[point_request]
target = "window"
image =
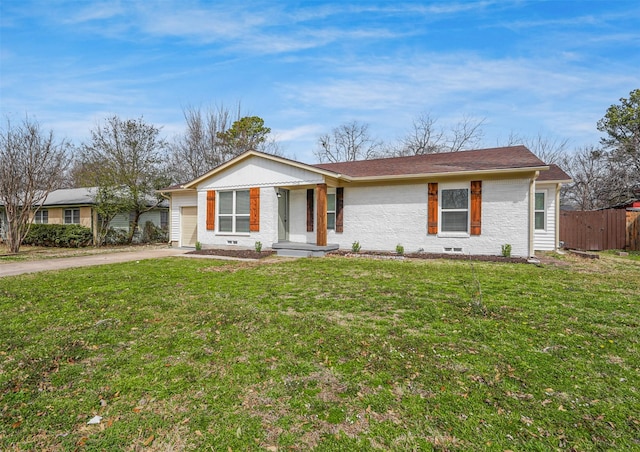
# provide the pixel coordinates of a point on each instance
(331, 211)
(233, 211)
(164, 220)
(539, 215)
(41, 216)
(454, 210)
(71, 216)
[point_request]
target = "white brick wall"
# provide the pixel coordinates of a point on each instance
(267, 235)
(382, 217)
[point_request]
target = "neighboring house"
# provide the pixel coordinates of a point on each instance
(77, 206)
(470, 202)
(3, 224)
(631, 204)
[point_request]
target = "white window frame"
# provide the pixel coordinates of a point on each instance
(234, 215)
(331, 213)
(542, 211)
(73, 211)
(441, 211)
(41, 216)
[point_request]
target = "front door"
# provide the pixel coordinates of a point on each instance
(188, 226)
(283, 215)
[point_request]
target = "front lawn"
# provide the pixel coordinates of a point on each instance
(333, 353)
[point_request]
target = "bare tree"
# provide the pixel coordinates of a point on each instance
(425, 137)
(466, 134)
(596, 183)
(547, 148)
(128, 158)
(199, 149)
(32, 164)
(422, 138)
(214, 136)
(347, 142)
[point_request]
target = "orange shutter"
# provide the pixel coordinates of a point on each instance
(211, 210)
(254, 209)
(476, 207)
(310, 210)
(339, 206)
(432, 210)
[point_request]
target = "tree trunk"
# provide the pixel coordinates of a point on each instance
(132, 227)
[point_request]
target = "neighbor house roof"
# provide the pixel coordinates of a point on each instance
(81, 196)
(513, 157)
(70, 196)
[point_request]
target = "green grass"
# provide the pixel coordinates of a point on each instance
(332, 354)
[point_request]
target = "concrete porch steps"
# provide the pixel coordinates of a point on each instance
(295, 249)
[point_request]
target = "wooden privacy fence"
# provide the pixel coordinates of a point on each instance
(597, 230)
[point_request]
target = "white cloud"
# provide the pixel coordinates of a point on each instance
(297, 133)
(94, 11)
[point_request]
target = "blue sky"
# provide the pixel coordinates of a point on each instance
(548, 68)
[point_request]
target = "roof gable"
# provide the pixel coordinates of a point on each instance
(249, 154)
(255, 171)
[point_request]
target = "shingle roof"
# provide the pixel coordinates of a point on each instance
(555, 173)
(82, 196)
(512, 157)
(70, 196)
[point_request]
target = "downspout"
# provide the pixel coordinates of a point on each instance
(556, 237)
(532, 204)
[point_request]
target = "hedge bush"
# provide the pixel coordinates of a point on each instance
(61, 235)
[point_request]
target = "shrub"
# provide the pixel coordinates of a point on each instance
(61, 235)
(506, 250)
(116, 237)
(355, 247)
(258, 247)
(153, 234)
(198, 246)
(399, 249)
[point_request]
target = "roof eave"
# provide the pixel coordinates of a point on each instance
(555, 181)
(445, 174)
(174, 190)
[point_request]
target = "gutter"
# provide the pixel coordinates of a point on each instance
(423, 176)
(532, 206)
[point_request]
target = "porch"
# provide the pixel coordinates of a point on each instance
(295, 249)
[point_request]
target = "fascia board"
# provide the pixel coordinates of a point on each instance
(447, 174)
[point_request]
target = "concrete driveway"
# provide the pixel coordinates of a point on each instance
(19, 268)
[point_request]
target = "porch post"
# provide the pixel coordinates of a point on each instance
(321, 214)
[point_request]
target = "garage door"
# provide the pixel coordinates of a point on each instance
(188, 226)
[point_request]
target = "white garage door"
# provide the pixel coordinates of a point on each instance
(188, 226)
